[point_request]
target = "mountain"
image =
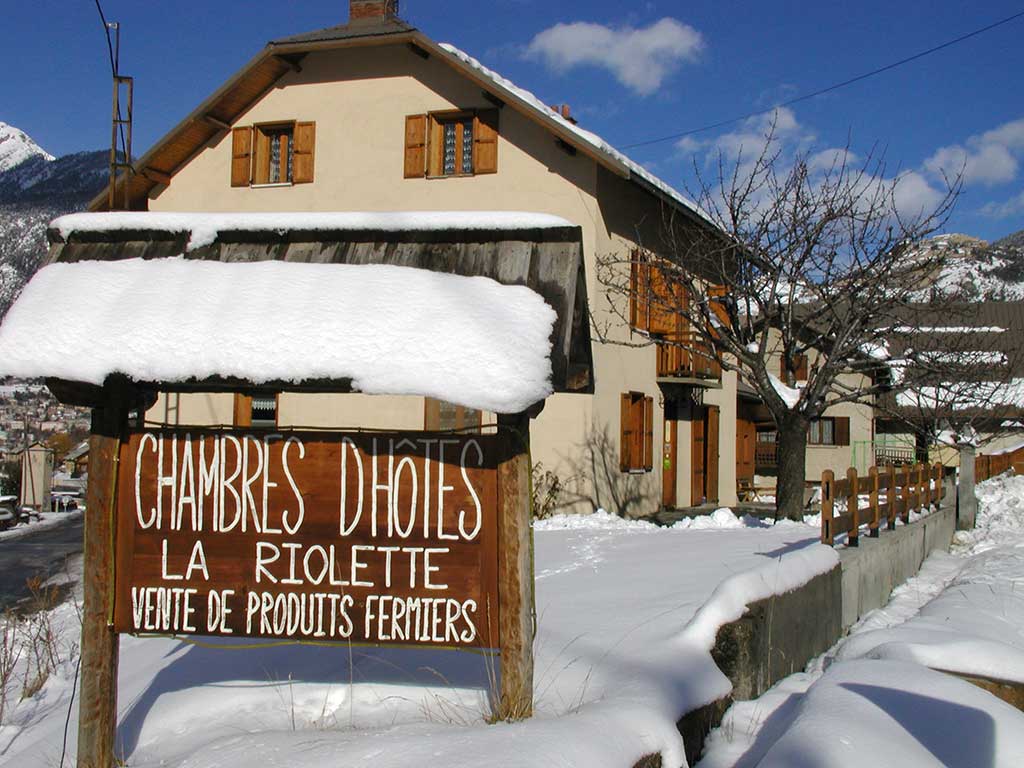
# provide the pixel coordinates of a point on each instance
(977, 269)
(35, 188)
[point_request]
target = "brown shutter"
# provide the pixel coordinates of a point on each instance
(841, 429)
(667, 298)
(243, 410)
(648, 433)
(415, 146)
(302, 161)
(639, 288)
(801, 367)
(241, 156)
(485, 141)
(625, 433)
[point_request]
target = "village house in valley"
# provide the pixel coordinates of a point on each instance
(374, 116)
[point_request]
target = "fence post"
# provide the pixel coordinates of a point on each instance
(827, 480)
(937, 485)
(852, 502)
(967, 502)
(873, 531)
(890, 497)
(905, 511)
(920, 487)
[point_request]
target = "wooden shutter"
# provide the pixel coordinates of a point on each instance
(243, 410)
(801, 367)
(841, 430)
(667, 297)
(241, 156)
(648, 433)
(415, 146)
(625, 432)
(302, 160)
(639, 286)
(485, 141)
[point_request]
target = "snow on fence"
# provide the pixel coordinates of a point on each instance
(995, 464)
(882, 495)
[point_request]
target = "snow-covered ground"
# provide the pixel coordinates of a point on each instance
(876, 696)
(625, 611)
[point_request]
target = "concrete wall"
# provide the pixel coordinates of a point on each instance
(359, 99)
(780, 635)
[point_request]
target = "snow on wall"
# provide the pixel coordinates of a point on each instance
(204, 228)
(392, 330)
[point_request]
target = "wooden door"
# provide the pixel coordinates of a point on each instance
(669, 457)
(711, 460)
(746, 433)
(697, 453)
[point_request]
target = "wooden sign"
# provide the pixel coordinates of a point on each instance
(346, 537)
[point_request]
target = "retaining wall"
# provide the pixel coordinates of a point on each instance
(778, 636)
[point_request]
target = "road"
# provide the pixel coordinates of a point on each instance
(40, 553)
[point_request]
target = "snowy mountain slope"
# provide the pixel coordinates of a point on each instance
(979, 270)
(35, 188)
(16, 148)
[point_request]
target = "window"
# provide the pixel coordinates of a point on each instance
(829, 431)
(278, 153)
(440, 416)
(445, 144)
(257, 410)
(636, 439)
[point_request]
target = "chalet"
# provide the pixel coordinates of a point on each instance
(374, 116)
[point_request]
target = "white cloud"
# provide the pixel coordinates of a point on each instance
(641, 59)
(1004, 210)
(914, 197)
(987, 158)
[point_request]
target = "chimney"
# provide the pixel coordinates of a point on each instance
(372, 11)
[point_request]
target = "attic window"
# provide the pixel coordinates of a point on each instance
(256, 410)
(445, 144)
(276, 153)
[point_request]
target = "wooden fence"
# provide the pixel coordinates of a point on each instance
(891, 492)
(990, 466)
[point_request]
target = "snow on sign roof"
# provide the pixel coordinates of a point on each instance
(204, 228)
(391, 330)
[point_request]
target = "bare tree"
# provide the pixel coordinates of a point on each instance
(799, 260)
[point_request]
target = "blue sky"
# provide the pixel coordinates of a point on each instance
(631, 72)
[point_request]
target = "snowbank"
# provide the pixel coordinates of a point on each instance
(44, 521)
(392, 330)
(205, 228)
(899, 715)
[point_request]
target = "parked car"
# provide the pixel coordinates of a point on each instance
(64, 502)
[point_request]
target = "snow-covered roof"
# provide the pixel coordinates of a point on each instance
(204, 228)
(389, 329)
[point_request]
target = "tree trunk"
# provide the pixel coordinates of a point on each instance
(792, 461)
(921, 447)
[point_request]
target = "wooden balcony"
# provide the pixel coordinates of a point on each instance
(689, 358)
(889, 454)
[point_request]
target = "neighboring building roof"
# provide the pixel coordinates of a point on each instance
(78, 451)
(220, 110)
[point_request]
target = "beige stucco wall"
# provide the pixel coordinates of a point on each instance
(359, 100)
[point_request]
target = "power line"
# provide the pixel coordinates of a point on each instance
(830, 88)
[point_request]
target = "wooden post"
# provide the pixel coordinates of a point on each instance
(905, 512)
(890, 498)
(876, 523)
(97, 719)
(852, 504)
(515, 570)
(922, 495)
(827, 505)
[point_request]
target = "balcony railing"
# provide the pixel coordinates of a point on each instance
(887, 454)
(766, 455)
(688, 358)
